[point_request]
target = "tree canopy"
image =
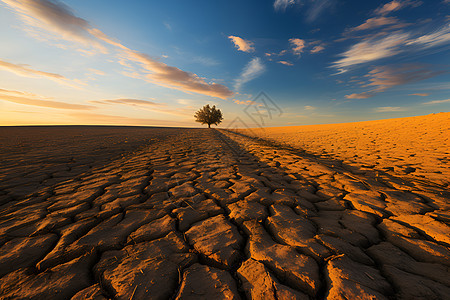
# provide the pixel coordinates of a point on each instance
(209, 115)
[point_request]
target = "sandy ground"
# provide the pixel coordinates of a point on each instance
(136, 213)
(419, 146)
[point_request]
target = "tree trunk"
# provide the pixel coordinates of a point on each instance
(209, 125)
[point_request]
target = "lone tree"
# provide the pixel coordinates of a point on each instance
(209, 115)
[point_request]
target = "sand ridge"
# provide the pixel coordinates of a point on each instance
(213, 214)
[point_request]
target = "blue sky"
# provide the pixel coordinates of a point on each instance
(157, 62)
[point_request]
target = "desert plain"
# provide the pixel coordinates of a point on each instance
(340, 211)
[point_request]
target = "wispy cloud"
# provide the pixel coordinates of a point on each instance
(363, 95)
(251, 71)
(420, 94)
(241, 44)
(286, 63)
(97, 72)
(32, 99)
(317, 7)
(56, 18)
(283, 4)
(371, 49)
(133, 102)
(436, 38)
(297, 45)
(437, 102)
(385, 77)
(395, 5)
(390, 109)
(377, 22)
(25, 70)
(317, 49)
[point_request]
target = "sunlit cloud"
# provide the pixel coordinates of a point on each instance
(317, 49)
(241, 44)
(97, 72)
(31, 99)
(376, 22)
(390, 109)
(297, 45)
(363, 95)
(25, 70)
(57, 18)
(395, 5)
(251, 71)
(437, 102)
(420, 94)
(132, 102)
(385, 77)
(286, 63)
(309, 107)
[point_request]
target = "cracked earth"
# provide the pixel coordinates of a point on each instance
(210, 214)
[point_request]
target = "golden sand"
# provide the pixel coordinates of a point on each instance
(419, 142)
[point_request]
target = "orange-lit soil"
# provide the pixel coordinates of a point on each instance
(162, 213)
(419, 146)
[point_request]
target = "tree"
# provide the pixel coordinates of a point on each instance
(209, 115)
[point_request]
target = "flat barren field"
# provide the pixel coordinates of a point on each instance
(347, 211)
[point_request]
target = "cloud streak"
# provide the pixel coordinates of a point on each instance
(437, 102)
(241, 44)
(376, 22)
(132, 102)
(371, 49)
(251, 71)
(56, 18)
(389, 109)
(31, 99)
(394, 6)
(385, 77)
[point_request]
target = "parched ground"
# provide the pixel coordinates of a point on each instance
(149, 213)
(418, 147)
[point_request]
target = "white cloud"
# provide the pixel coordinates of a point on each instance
(436, 38)
(437, 102)
(371, 49)
(251, 71)
(241, 44)
(389, 109)
(297, 45)
(283, 4)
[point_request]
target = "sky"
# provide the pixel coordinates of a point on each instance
(263, 63)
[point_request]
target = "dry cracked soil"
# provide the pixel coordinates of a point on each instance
(165, 213)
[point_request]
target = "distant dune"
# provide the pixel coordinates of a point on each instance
(418, 146)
